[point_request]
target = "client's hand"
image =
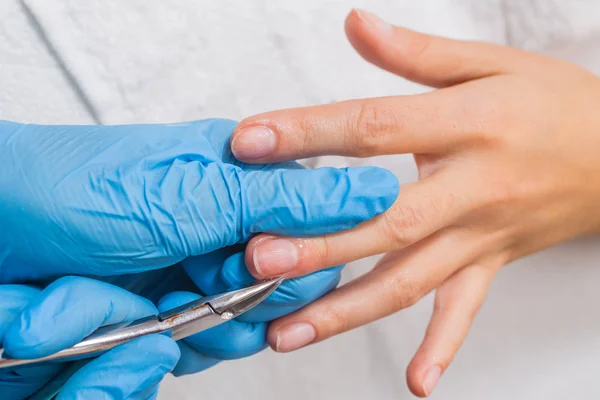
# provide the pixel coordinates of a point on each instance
(507, 153)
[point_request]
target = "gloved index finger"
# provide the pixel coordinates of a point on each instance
(314, 202)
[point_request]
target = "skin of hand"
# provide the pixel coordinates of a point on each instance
(35, 323)
(111, 200)
(507, 154)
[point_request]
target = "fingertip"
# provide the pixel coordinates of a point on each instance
(415, 374)
(249, 254)
(234, 272)
(205, 270)
(316, 202)
(292, 336)
(422, 380)
(380, 184)
(253, 143)
(272, 336)
(363, 30)
(354, 26)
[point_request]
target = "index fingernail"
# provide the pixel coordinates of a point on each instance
(253, 142)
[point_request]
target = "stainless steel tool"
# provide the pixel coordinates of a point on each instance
(178, 323)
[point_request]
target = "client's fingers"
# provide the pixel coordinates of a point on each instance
(456, 304)
(422, 209)
(427, 59)
(425, 123)
(397, 282)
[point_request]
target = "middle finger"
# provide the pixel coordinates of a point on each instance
(422, 209)
(397, 282)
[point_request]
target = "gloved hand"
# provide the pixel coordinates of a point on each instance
(35, 323)
(218, 272)
(110, 200)
(225, 270)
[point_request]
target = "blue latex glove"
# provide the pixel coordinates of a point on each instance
(221, 271)
(35, 323)
(110, 200)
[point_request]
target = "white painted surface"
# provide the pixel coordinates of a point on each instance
(32, 85)
(537, 337)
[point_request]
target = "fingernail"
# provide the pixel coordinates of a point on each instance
(274, 257)
(432, 376)
(374, 21)
(253, 142)
(294, 336)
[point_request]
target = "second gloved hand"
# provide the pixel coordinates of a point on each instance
(111, 200)
(36, 323)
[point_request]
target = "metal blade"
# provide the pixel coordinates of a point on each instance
(233, 304)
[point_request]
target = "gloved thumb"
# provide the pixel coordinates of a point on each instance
(314, 202)
(68, 310)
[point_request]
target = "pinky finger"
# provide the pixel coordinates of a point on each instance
(457, 302)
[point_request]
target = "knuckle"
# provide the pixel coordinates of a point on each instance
(402, 222)
(483, 116)
(498, 194)
(336, 322)
(307, 126)
(323, 252)
(405, 291)
(369, 129)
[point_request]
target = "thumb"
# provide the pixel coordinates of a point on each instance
(427, 59)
